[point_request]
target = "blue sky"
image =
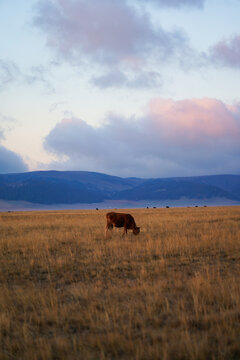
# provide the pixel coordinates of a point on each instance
(130, 88)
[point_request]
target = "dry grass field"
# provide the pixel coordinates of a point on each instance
(173, 292)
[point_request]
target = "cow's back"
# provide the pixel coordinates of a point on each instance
(120, 219)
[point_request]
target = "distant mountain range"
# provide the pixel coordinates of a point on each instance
(69, 187)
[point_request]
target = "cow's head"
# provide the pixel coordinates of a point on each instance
(136, 231)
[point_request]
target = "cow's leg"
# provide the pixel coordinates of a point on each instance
(106, 230)
(124, 231)
(108, 227)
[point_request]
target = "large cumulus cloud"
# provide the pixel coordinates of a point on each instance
(189, 137)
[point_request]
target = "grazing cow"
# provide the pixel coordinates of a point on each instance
(121, 220)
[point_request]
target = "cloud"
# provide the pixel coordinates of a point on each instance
(227, 52)
(1, 134)
(177, 3)
(195, 122)
(174, 138)
(9, 72)
(10, 162)
(104, 32)
(39, 74)
(6, 124)
(116, 78)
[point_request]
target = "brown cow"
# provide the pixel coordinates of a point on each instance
(121, 220)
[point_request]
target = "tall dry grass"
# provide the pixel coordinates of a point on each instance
(173, 292)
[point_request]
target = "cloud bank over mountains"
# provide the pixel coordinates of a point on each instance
(188, 137)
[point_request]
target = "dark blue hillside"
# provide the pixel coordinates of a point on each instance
(90, 179)
(49, 191)
(69, 187)
(229, 183)
(173, 189)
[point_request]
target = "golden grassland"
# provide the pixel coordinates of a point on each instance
(173, 292)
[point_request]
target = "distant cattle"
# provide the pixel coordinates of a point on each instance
(121, 220)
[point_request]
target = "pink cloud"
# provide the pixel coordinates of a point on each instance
(194, 121)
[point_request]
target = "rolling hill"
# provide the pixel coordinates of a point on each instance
(69, 187)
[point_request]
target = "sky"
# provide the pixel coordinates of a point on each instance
(146, 88)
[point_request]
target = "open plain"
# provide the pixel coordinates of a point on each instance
(172, 292)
